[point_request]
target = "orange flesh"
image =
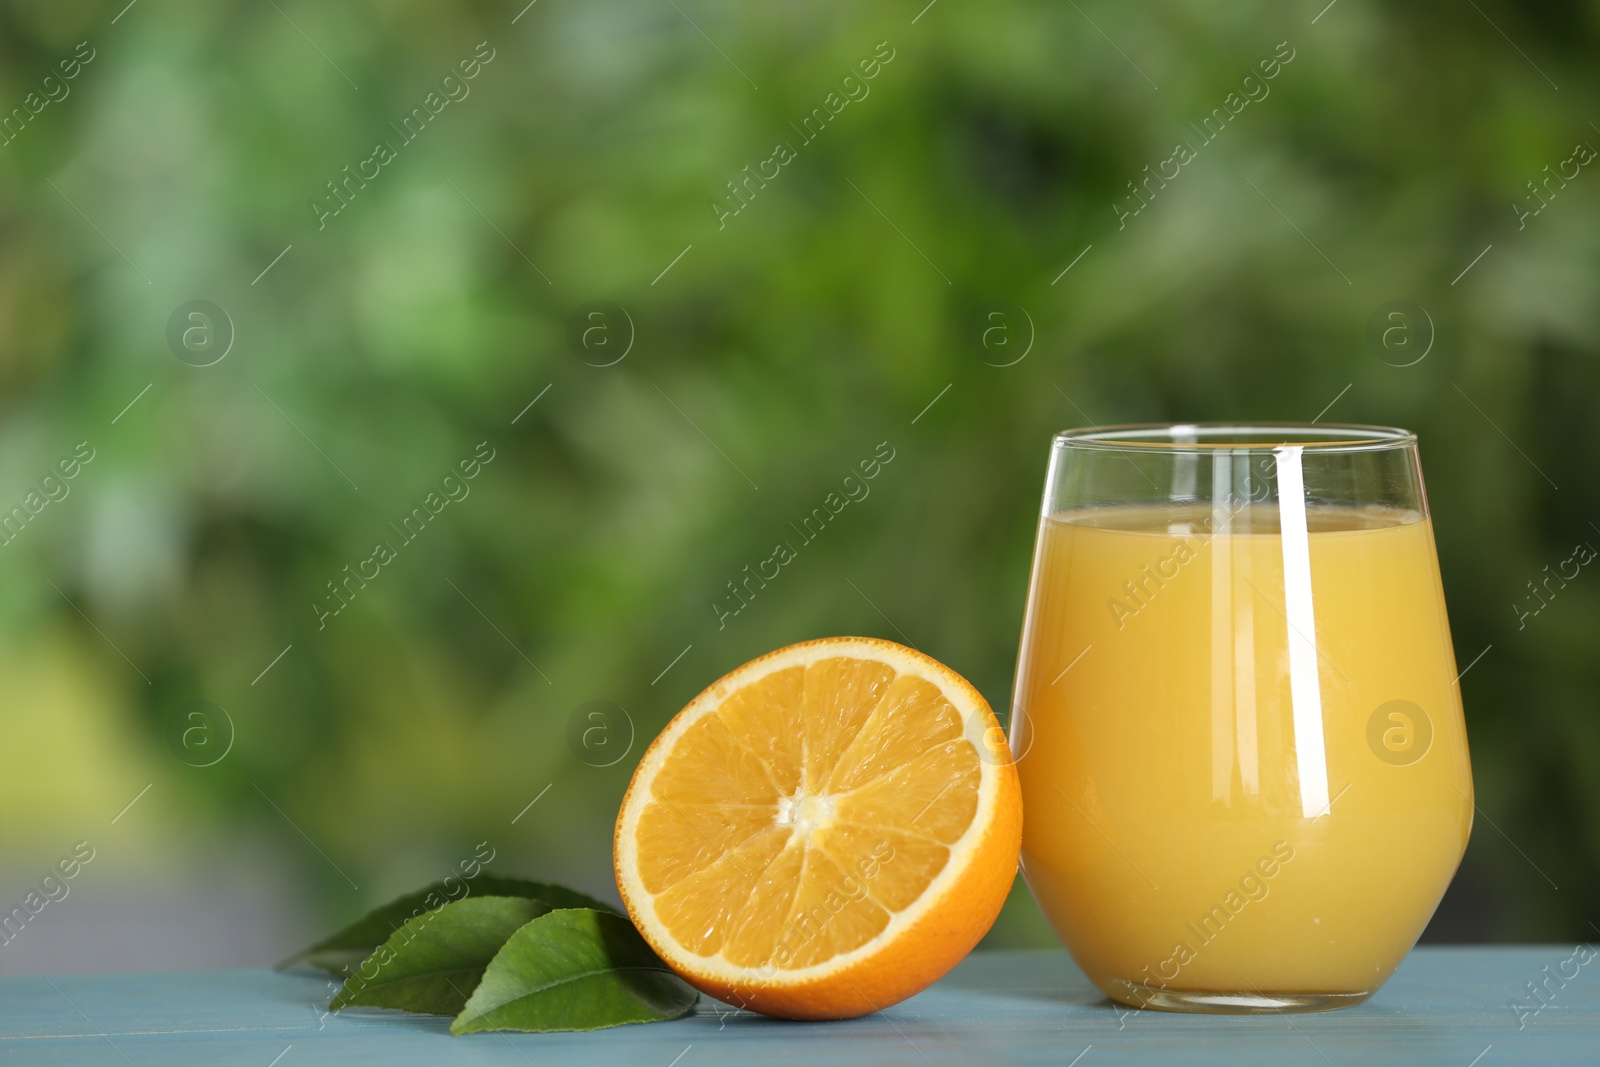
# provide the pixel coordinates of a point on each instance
(791, 824)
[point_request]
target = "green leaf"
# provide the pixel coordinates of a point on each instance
(433, 963)
(341, 953)
(577, 969)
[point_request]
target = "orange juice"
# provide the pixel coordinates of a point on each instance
(1242, 752)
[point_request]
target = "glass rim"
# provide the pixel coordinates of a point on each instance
(1210, 437)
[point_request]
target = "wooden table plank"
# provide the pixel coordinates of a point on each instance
(1448, 1006)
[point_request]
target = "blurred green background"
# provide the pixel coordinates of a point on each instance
(557, 214)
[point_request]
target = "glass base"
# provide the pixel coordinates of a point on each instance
(1226, 1003)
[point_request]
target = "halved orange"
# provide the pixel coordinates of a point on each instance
(823, 832)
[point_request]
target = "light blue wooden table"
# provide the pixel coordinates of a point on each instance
(1447, 1006)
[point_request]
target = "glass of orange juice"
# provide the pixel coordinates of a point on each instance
(1236, 715)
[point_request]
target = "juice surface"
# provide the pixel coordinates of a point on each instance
(1234, 784)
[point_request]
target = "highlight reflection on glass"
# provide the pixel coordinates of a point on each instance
(1236, 714)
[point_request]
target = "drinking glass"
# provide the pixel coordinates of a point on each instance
(1237, 716)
